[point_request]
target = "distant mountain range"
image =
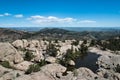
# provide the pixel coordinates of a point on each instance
(56, 33)
(78, 29)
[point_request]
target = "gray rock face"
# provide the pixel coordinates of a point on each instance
(71, 62)
(109, 62)
(18, 44)
(53, 68)
(85, 74)
(36, 76)
(9, 53)
(107, 66)
(82, 74)
(48, 72)
(50, 59)
(4, 70)
(11, 75)
(23, 66)
(32, 45)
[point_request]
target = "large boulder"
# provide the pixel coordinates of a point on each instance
(11, 75)
(81, 74)
(38, 54)
(42, 76)
(50, 59)
(9, 53)
(18, 44)
(71, 62)
(99, 51)
(108, 62)
(108, 74)
(109, 67)
(53, 69)
(85, 74)
(36, 76)
(63, 49)
(34, 44)
(4, 70)
(25, 43)
(23, 66)
(24, 77)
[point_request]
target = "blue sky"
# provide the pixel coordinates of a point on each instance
(59, 13)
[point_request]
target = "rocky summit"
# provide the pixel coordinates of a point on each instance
(32, 59)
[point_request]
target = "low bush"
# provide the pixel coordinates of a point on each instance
(5, 64)
(75, 43)
(35, 67)
(28, 56)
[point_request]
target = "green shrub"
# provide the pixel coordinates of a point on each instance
(75, 43)
(51, 50)
(17, 75)
(70, 55)
(5, 64)
(56, 40)
(28, 56)
(75, 73)
(33, 68)
(85, 42)
(117, 68)
(93, 43)
(42, 63)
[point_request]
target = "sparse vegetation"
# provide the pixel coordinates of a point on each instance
(75, 73)
(42, 63)
(56, 40)
(5, 64)
(35, 67)
(28, 56)
(117, 68)
(51, 50)
(93, 43)
(73, 55)
(17, 75)
(75, 43)
(112, 44)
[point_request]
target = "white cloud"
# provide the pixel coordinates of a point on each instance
(87, 21)
(50, 19)
(18, 15)
(7, 14)
(56, 21)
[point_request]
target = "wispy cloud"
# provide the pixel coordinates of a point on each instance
(56, 21)
(19, 16)
(50, 19)
(7, 14)
(87, 21)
